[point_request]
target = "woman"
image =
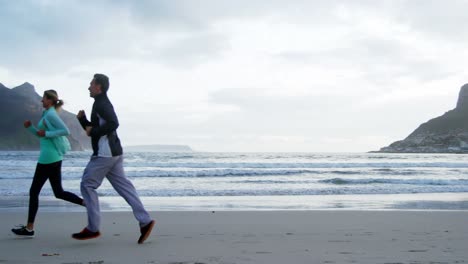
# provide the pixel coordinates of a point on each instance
(53, 143)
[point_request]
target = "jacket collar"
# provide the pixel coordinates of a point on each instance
(100, 97)
(52, 108)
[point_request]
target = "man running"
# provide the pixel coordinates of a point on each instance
(106, 161)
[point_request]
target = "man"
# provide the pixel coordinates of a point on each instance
(107, 161)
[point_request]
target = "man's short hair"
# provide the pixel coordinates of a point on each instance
(102, 80)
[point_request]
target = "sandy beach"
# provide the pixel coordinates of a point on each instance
(246, 237)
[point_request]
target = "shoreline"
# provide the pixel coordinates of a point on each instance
(367, 202)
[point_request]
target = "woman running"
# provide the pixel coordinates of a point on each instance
(52, 133)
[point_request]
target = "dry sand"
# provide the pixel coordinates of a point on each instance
(286, 237)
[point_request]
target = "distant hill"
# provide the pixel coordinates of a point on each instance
(159, 148)
(22, 103)
(444, 134)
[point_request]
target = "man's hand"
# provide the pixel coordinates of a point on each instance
(27, 124)
(88, 130)
(81, 114)
(41, 133)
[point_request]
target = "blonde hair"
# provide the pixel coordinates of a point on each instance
(52, 95)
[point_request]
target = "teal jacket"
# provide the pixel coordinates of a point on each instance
(55, 143)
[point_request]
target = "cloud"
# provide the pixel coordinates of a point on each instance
(262, 75)
(63, 35)
(437, 18)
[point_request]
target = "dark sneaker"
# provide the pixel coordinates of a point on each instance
(22, 231)
(146, 231)
(85, 234)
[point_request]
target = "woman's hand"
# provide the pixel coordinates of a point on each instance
(27, 124)
(41, 133)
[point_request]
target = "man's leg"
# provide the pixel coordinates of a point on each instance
(93, 176)
(125, 188)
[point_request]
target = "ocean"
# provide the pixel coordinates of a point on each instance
(259, 181)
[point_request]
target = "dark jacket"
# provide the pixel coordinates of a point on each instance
(103, 107)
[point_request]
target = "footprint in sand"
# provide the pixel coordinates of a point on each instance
(420, 233)
(447, 250)
(417, 250)
(186, 262)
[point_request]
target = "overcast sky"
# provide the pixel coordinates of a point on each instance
(319, 76)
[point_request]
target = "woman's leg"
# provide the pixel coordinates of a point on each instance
(40, 177)
(55, 178)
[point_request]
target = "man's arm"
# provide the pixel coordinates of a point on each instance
(107, 113)
(83, 120)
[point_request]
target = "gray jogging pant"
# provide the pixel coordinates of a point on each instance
(112, 169)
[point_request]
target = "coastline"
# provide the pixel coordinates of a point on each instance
(397, 202)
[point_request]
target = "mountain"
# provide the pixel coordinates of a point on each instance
(23, 103)
(444, 134)
(159, 148)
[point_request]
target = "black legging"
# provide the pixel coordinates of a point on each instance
(53, 172)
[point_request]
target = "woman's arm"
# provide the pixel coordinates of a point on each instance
(59, 127)
(33, 130)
